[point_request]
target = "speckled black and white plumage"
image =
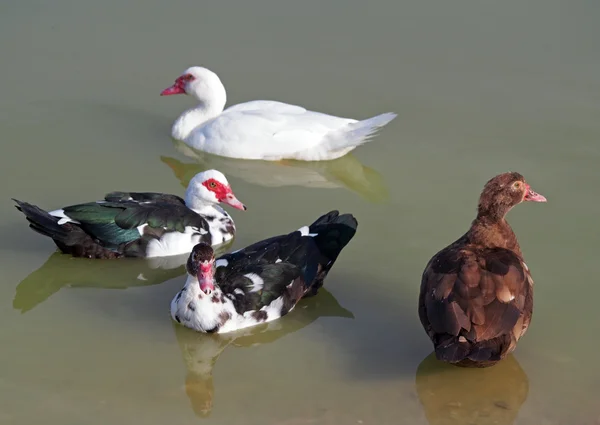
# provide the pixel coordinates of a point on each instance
(263, 281)
(141, 224)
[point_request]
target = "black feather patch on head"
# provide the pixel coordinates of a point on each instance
(200, 253)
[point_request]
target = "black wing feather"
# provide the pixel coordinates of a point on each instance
(281, 260)
(163, 198)
(116, 219)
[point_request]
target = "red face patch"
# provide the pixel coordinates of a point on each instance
(183, 80)
(186, 78)
(179, 86)
(217, 188)
(206, 268)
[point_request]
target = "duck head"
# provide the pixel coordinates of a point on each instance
(210, 187)
(503, 192)
(201, 264)
(199, 82)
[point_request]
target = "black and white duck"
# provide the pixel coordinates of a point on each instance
(141, 224)
(261, 282)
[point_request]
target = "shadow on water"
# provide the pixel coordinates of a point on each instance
(61, 270)
(454, 395)
(200, 352)
(346, 172)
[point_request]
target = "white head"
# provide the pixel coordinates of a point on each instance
(201, 83)
(210, 187)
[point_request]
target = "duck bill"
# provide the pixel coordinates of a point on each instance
(231, 200)
(207, 286)
(206, 278)
(533, 196)
(174, 89)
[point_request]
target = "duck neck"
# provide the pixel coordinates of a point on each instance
(493, 232)
(192, 285)
(207, 209)
(200, 205)
(490, 212)
(208, 108)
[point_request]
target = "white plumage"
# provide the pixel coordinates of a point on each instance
(263, 129)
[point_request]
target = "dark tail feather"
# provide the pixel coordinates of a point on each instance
(69, 237)
(466, 354)
(334, 217)
(47, 225)
(452, 351)
(334, 232)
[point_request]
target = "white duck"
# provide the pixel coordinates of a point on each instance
(263, 129)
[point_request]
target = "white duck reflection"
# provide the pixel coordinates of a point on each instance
(483, 396)
(345, 172)
(201, 351)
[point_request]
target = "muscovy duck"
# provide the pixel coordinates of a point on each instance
(261, 282)
(141, 224)
(263, 129)
(476, 297)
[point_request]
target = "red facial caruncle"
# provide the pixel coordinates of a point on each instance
(223, 193)
(179, 86)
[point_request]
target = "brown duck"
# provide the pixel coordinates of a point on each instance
(476, 297)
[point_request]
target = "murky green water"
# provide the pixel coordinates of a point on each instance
(480, 88)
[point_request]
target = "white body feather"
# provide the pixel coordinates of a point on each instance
(265, 129)
(194, 309)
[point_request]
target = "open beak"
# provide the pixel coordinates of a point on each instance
(231, 200)
(174, 89)
(533, 196)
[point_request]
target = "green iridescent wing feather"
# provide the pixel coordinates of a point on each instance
(115, 221)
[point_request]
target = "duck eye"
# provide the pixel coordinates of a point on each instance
(516, 185)
(212, 184)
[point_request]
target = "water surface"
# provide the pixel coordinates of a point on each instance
(480, 88)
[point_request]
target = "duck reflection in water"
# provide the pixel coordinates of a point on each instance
(464, 396)
(345, 172)
(62, 270)
(201, 351)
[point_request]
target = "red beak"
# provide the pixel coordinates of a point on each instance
(205, 277)
(174, 89)
(533, 196)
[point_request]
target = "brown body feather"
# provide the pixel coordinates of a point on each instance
(476, 297)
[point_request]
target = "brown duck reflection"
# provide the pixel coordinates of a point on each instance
(459, 396)
(346, 172)
(62, 270)
(201, 351)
